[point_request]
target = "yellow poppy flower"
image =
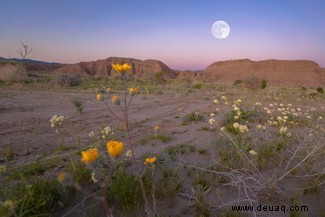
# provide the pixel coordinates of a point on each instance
(150, 160)
(90, 155)
(115, 148)
(99, 96)
(122, 68)
(116, 100)
(133, 91)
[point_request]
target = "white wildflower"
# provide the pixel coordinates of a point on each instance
(236, 125)
(224, 98)
(283, 130)
(243, 128)
(212, 121)
(91, 134)
(252, 152)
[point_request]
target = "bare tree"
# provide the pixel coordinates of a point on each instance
(25, 51)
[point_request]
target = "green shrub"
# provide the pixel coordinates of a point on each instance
(124, 189)
(197, 85)
(320, 90)
(169, 185)
(238, 82)
(194, 116)
(252, 83)
(264, 84)
(78, 103)
(33, 198)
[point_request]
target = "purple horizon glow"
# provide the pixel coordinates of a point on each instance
(176, 33)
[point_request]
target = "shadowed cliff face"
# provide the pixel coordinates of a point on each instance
(104, 68)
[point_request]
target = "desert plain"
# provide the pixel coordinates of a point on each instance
(240, 133)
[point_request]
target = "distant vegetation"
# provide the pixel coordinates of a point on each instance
(67, 80)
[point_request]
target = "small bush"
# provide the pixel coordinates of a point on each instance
(67, 80)
(320, 90)
(78, 103)
(33, 198)
(124, 189)
(252, 83)
(169, 185)
(264, 84)
(194, 116)
(197, 85)
(238, 82)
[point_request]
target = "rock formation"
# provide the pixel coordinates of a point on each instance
(281, 72)
(146, 68)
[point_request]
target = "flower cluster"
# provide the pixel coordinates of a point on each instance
(283, 130)
(56, 121)
(241, 128)
(105, 132)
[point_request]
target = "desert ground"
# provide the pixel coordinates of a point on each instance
(217, 146)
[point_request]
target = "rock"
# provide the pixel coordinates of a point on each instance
(187, 75)
(101, 68)
(278, 72)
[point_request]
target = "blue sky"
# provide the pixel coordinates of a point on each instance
(173, 31)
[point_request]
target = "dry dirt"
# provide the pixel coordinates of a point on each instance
(25, 115)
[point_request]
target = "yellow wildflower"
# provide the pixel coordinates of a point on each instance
(65, 178)
(90, 155)
(99, 96)
(156, 129)
(133, 91)
(108, 89)
(150, 160)
(116, 100)
(115, 148)
(122, 68)
(252, 152)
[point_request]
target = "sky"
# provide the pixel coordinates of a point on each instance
(176, 32)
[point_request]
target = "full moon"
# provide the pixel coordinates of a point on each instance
(220, 29)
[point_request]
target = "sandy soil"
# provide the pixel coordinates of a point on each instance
(25, 115)
(25, 120)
